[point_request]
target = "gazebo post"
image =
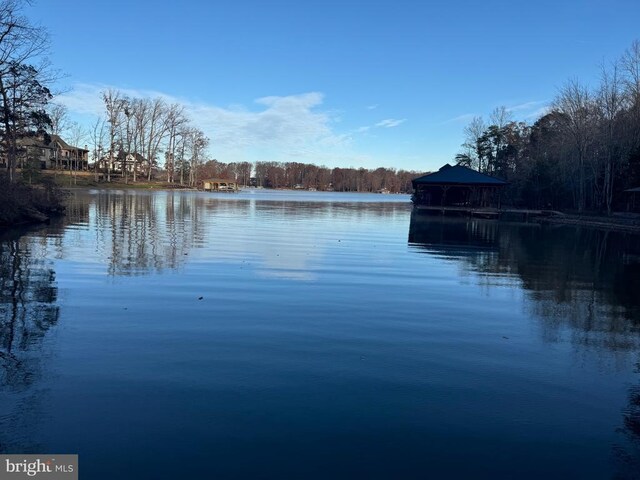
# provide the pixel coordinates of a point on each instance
(444, 197)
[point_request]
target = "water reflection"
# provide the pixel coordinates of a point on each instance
(138, 233)
(28, 310)
(591, 271)
(628, 453)
(580, 284)
(267, 316)
(28, 295)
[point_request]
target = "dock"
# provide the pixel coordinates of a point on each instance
(514, 214)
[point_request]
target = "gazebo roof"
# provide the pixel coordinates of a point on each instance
(219, 180)
(458, 175)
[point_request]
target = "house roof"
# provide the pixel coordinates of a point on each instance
(64, 145)
(458, 175)
(39, 141)
(122, 156)
(58, 139)
(219, 180)
(33, 142)
(136, 155)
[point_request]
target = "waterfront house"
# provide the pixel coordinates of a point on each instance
(124, 162)
(219, 185)
(457, 187)
(49, 152)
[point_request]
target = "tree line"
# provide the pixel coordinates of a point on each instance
(304, 175)
(296, 175)
(582, 154)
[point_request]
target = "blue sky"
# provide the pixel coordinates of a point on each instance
(339, 83)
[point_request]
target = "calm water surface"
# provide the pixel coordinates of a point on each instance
(316, 335)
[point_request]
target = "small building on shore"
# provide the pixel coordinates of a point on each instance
(457, 186)
(219, 185)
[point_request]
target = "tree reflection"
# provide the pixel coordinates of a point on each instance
(140, 233)
(628, 454)
(28, 295)
(577, 280)
(559, 267)
(28, 309)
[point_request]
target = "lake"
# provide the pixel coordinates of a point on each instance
(271, 334)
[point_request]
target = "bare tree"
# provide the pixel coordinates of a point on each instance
(126, 136)
(182, 137)
(630, 66)
(500, 117)
(59, 116)
(157, 130)
(197, 142)
(175, 118)
(472, 134)
(611, 103)
(97, 138)
(140, 115)
(77, 136)
(114, 104)
(576, 105)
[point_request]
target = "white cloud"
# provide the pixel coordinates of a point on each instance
(390, 122)
(83, 99)
(372, 107)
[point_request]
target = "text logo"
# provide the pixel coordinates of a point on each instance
(45, 467)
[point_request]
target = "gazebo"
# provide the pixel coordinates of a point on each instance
(457, 187)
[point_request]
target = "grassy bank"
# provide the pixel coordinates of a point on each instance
(23, 203)
(88, 180)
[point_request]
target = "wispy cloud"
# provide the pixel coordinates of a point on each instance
(526, 110)
(526, 106)
(464, 118)
(276, 126)
(372, 107)
(539, 112)
(390, 122)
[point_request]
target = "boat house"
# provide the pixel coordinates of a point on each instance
(219, 185)
(457, 187)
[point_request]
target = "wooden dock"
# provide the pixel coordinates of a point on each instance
(515, 214)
